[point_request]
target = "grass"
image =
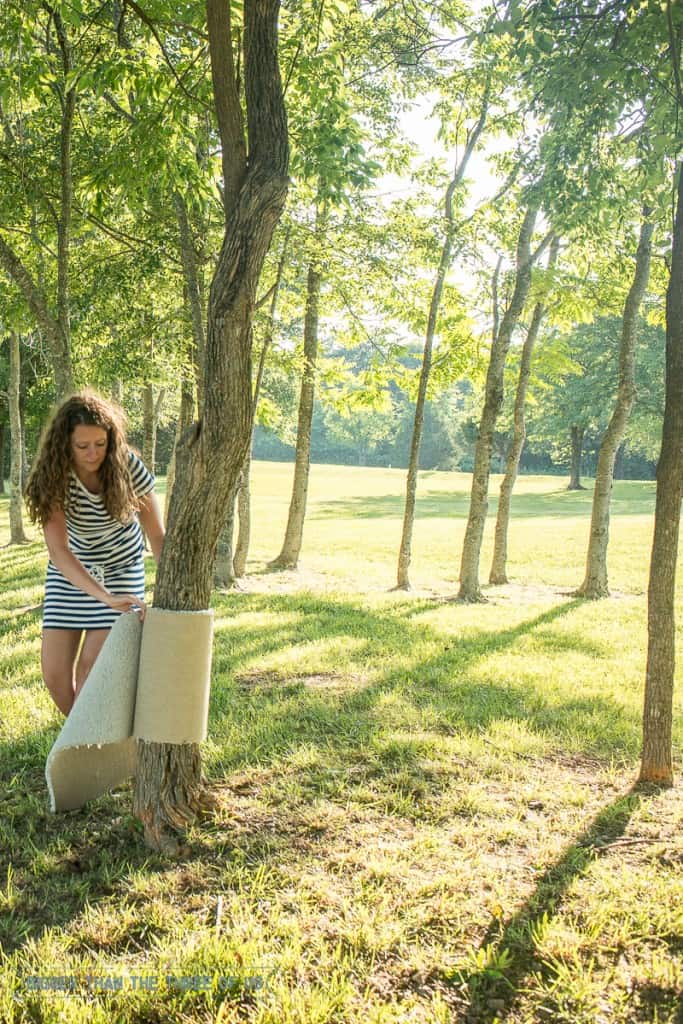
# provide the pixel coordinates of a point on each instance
(427, 811)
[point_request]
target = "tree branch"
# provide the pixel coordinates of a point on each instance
(118, 108)
(536, 255)
(146, 20)
(266, 114)
(226, 100)
(675, 54)
(120, 236)
(7, 128)
(472, 139)
(268, 339)
(292, 66)
(494, 299)
(35, 299)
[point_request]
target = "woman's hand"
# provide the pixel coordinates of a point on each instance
(127, 603)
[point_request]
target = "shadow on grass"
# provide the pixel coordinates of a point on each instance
(509, 950)
(632, 498)
(53, 865)
(434, 676)
(63, 863)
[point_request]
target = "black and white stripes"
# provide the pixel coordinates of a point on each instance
(111, 551)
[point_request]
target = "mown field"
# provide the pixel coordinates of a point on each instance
(427, 811)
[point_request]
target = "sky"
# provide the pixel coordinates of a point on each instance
(422, 129)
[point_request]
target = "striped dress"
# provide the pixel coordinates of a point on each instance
(111, 551)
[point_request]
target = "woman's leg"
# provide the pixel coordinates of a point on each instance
(58, 660)
(92, 645)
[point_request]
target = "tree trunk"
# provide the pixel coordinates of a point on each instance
(117, 391)
(405, 550)
(2, 456)
(151, 410)
(656, 763)
(224, 573)
(194, 312)
(493, 400)
(498, 574)
(239, 564)
(26, 468)
(211, 455)
(58, 343)
(244, 492)
(223, 569)
(67, 191)
(151, 413)
(595, 581)
(55, 328)
(183, 424)
(17, 535)
(291, 547)
(575, 470)
(193, 289)
(149, 439)
(619, 462)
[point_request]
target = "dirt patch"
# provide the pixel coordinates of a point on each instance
(306, 579)
(265, 581)
(314, 681)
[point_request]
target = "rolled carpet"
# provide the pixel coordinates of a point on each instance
(151, 681)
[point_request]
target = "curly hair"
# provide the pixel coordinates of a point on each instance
(48, 483)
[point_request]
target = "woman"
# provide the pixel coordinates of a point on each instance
(90, 493)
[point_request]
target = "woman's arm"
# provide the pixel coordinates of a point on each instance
(149, 515)
(64, 559)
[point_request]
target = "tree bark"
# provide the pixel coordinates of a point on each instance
(493, 400)
(2, 456)
(619, 462)
(148, 427)
(223, 569)
(151, 413)
(656, 763)
(117, 391)
(25, 468)
(183, 424)
(55, 327)
(193, 287)
(239, 564)
(67, 190)
(595, 583)
(168, 788)
(224, 573)
(575, 470)
(17, 535)
(58, 343)
(194, 310)
(291, 546)
(244, 490)
(405, 550)
(498, 574)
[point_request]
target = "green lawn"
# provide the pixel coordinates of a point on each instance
(427, 810)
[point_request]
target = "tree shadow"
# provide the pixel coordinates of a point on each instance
(509, 948)
(273, 715)
(53, 865)
(632, 498)
(656, 1000)
(64, 862)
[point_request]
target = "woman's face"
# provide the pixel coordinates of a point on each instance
(88, 447)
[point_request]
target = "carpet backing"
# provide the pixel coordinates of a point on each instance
(151, 681)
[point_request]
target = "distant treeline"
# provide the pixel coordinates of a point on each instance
(443, 448)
